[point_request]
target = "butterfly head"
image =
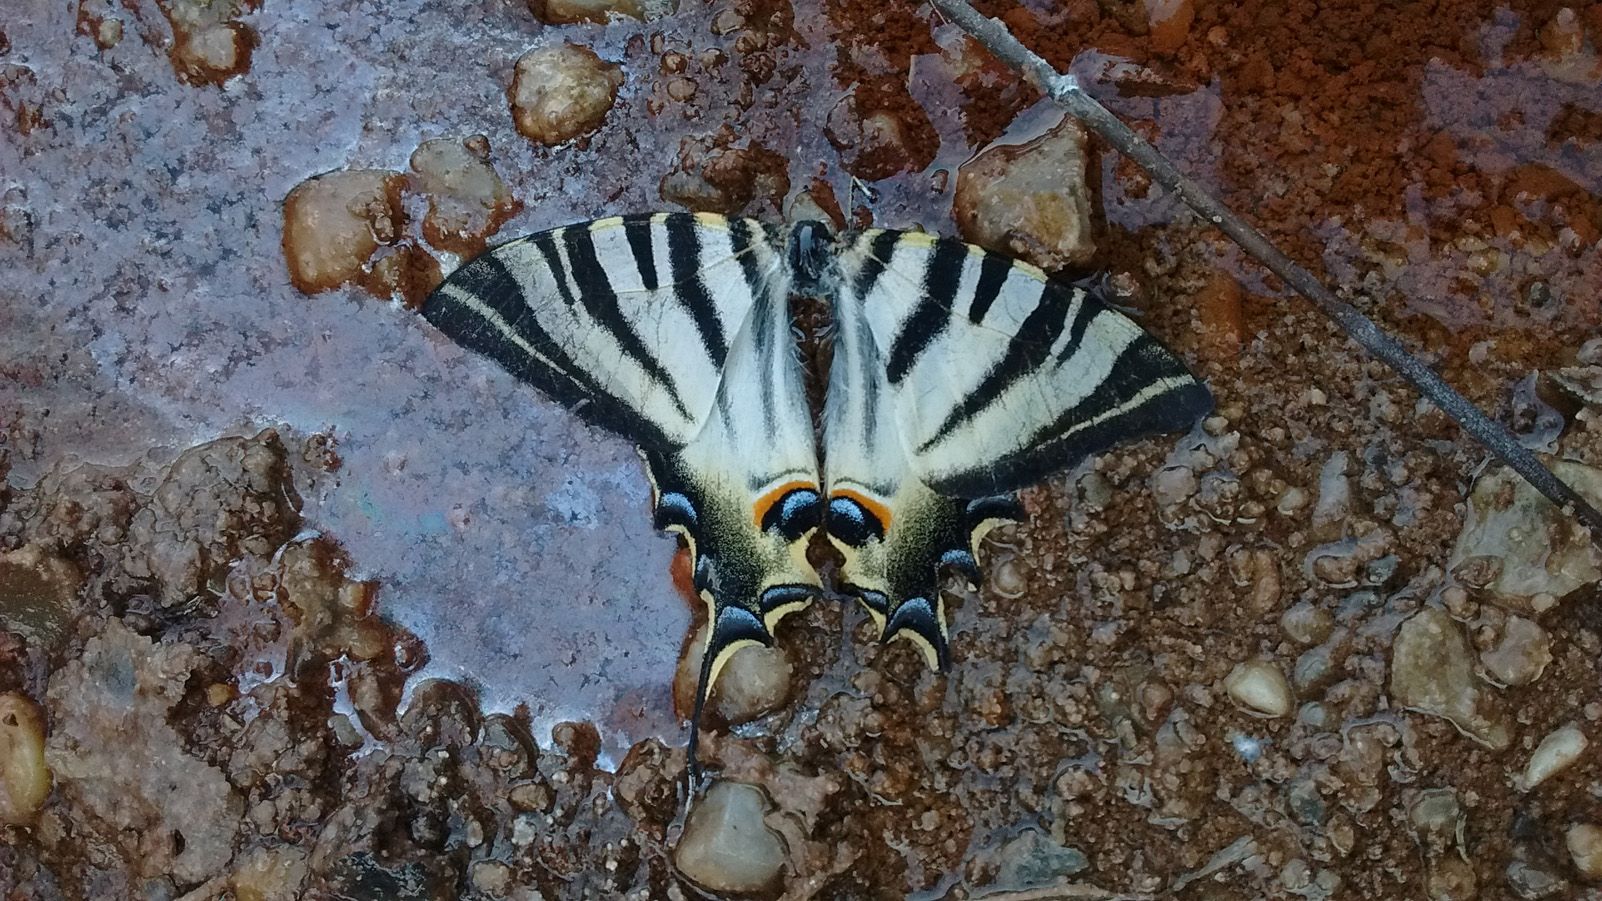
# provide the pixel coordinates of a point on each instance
(811, 253)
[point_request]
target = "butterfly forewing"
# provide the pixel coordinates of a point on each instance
(672, 330)
(959, 377)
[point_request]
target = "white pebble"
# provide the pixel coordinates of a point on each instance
(1585, 846)
(1554, 753)
(1259, 687)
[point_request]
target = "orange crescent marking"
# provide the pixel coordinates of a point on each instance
(766, 501)
(869, 504)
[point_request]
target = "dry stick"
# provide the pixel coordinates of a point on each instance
(1065, 89)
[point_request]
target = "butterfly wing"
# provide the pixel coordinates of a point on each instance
(959, 377)
(672, 330)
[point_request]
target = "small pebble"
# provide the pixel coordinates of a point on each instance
(467, 200)
(1173, 485)
(1294, 500)
(1531, 882)
(755, 681)
(1260, 688)
(1521, 654)
(1306, 624)
(1515, 543)
(1007, 577)
(1555, 752)
(491, 877)
(275, 874)
(1585, 846)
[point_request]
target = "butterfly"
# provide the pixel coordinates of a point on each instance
(958, 377)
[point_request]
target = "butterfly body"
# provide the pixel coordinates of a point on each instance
(958, 377)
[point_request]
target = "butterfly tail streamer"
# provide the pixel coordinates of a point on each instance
(1067, 91)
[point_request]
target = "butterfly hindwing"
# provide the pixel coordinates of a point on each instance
(672, 330)
(959, 377)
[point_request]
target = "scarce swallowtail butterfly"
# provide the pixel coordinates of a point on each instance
(959, 376)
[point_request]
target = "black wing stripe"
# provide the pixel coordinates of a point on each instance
(740, 244)
(684, 261)
(1122, 409)
(929, 318)
(993, 271)
(509, 342)
(1027, 350)
(1089, 309)
(600, 301)
(880, 250)
(637, 229)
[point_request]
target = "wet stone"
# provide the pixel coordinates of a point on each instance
(1334, 502)
(726, 846)
(24, 777)
(467, 200)
(1432, 672)
(1531, 882)
(718, 173)
(571, 12)
(37, 590)
(1521, 653)
(561, 93)
(1032, 860)
(754, 681)
(1029, 200)
(1438, 821)
(1170, 22)
(173, 813)
(647, 785)
(491, 877)
(1451, 879)
(209, 45)
(334, 223)
(1519, 548)
(275, 874)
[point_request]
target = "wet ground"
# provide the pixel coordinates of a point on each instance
(248, 530)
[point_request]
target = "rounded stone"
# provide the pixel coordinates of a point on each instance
(1029, 200)
(333, 224)
(24, 776)
(1585, 846)
(1259, 687)
(1306, 624)
(561, 93)
(1520, 655)
(726, 847)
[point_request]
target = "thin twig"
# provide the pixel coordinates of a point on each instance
(1066, 90)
